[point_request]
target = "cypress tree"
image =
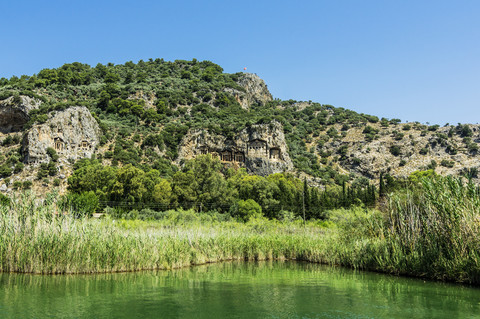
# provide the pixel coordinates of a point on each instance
(381, 191)
(306, 194)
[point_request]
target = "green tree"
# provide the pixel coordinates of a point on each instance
(130, 184)
(90, 175)
(209, 184)
(182, 189)
(244, 210)
(162, 192)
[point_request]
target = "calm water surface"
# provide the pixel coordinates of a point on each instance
(235, 290)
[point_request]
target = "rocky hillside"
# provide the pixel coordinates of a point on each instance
(261, 148)
(158, 114)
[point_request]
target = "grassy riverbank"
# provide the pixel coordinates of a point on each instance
(430, 231)
(40, 243)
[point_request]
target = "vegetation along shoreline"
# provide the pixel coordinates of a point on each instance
(188, 164)
(429, 230)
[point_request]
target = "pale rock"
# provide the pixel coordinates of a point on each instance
(255, 91)
(261, 149)
(14, 112)
(73, 133)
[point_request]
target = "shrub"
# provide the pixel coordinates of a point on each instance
(447, 163)
(18, 167)
(52, 153)
(27, 184)
(5, 170)
(4, 200)
(17, 185)
(332, 132)
(395, 150)
(473, 147)
(464, 130)
(470, 172)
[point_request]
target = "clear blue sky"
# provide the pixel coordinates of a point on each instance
(413, 60)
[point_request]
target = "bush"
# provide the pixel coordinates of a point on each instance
(464, 130)
(424, 151)
(473, 148)
(150, 214)
(52, 153)
(27, 184)
(5, 171)
(470, 172)
(17, 185)
(4, 200)
(395, 150)
(447, 163)
(18, 167)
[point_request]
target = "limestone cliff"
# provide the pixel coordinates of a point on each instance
(73, 133)
(255, 90)
(14, 112)
(261, 149)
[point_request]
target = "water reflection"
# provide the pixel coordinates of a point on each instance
(235, 290)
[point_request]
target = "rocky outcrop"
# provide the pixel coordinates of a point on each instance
(14, 112)
(402, 149)
(73, 133)
(261, 149)
(255, 90)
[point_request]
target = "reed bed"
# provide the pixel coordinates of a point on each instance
(33, 240)
(430, 231)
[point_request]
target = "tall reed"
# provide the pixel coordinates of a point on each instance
(35, 240)
(430, 231)
(436, 230)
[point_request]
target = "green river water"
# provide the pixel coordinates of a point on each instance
(235, 290)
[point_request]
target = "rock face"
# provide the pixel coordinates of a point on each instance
(73, 133)
(14, 112)
(256, 91)
(261, 149)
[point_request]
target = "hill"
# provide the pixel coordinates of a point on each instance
(158, 114)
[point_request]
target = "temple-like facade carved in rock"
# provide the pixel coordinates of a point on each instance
(261, 149)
